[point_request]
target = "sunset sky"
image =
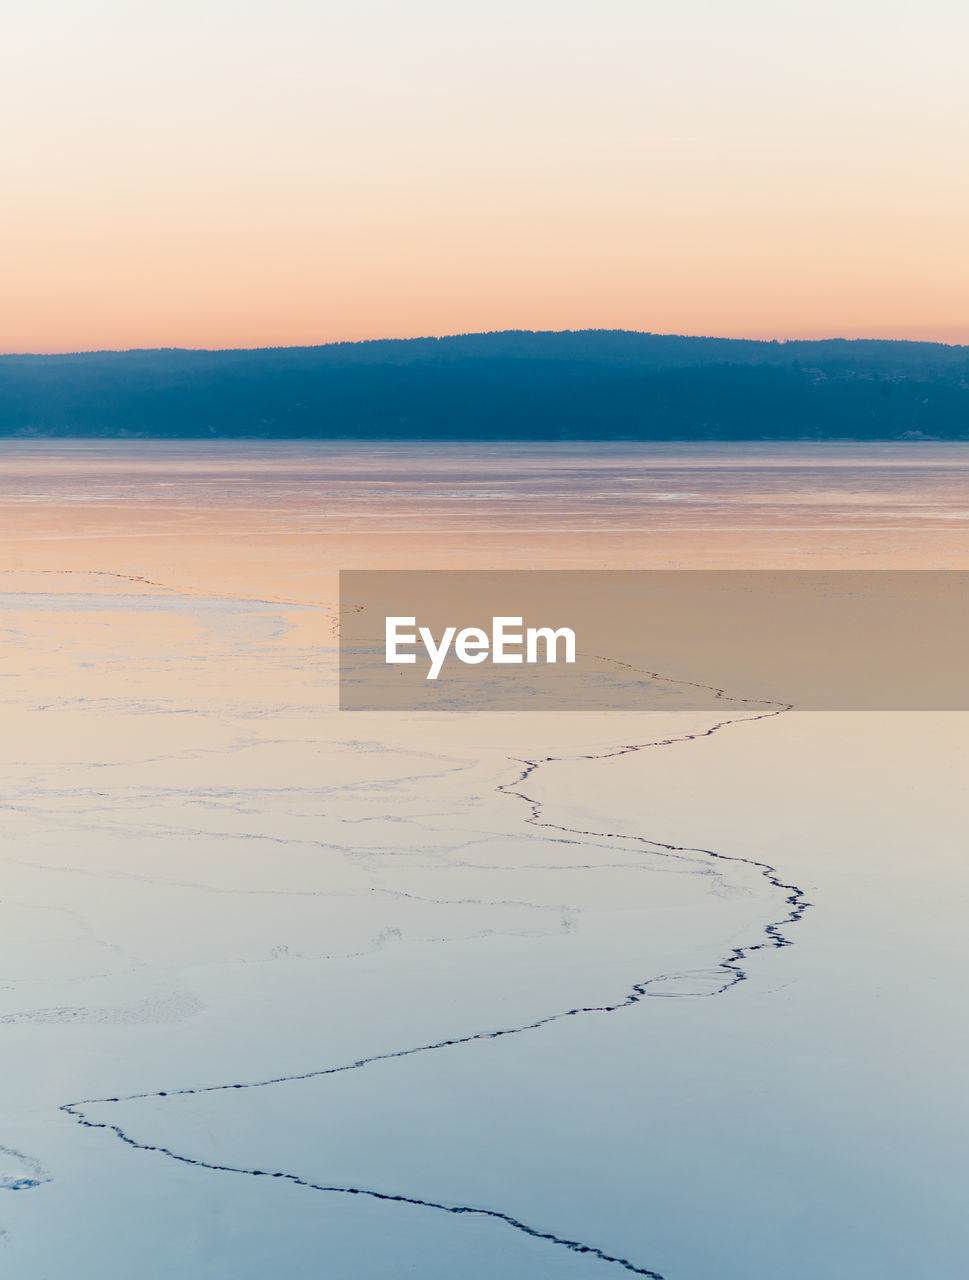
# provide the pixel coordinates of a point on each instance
(251, 173)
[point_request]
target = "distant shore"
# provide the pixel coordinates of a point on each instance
(583, 386)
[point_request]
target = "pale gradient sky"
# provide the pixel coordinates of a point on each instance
(253, 173)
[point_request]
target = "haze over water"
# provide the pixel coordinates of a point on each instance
(210, 878)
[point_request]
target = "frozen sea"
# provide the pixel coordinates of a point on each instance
(285, 991)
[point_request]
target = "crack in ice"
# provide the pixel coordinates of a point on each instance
(730, 968)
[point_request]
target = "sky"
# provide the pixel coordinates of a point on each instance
(256, 173)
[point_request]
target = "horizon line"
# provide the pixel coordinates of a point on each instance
(473, 333)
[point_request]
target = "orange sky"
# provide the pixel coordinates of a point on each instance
(243, 174)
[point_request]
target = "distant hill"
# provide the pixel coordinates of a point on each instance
(583, 385)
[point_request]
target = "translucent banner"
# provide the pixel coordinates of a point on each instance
(518, 640)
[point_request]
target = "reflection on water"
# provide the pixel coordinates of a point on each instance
(406, 969)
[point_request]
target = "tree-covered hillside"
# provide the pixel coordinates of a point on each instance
(592, 384)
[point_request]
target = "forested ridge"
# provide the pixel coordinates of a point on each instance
(514, 385)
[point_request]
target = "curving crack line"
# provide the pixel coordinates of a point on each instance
(137, 579)
(794, 896)
(730, 967)
(575, 1246)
